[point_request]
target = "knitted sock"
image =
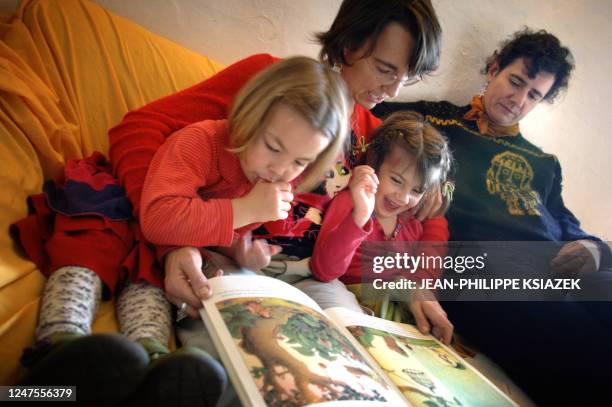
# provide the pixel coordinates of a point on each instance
(143, 313)
(70, 300)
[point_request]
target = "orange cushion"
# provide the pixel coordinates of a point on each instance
(69, 70)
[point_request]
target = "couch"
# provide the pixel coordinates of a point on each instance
(69, 70)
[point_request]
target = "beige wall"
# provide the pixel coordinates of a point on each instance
(576, 128)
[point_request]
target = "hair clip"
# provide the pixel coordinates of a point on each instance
(448, 189)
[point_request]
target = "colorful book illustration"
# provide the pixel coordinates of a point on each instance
(281, 349)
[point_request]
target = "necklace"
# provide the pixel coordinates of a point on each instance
(393, 234)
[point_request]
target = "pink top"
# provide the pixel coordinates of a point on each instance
(338, 251)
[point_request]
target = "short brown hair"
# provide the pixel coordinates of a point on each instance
(409, 131)
(361, 21)
(307, 86)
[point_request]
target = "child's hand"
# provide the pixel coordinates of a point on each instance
(254, 254)
(363, 186)
(267, 201)
(429, 315)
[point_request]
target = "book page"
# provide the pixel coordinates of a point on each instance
(426, 371)
(281, 350)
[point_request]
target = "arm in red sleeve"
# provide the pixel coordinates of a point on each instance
(434, 238)
(435, 230)
(173, 213)
(134, 141)
(338, 239)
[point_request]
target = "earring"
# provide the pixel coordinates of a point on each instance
(484, 89)
(337, 68)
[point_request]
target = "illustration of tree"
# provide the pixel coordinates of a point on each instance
(262, 327)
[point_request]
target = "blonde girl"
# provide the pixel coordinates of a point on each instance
(215, 178)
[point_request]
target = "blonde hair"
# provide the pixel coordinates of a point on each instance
(409, 131)
(310, 88)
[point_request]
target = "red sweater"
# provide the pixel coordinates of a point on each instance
(338, 251)
(186, 199)
(134, 141)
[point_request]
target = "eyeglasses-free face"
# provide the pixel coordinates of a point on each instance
(512, 94)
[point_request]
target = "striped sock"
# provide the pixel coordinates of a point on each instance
(70, 300)
(144, 312)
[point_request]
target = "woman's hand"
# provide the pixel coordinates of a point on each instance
(577, 258)
(429, 315)
(185, 282)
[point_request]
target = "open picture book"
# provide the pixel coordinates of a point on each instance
(281, 349)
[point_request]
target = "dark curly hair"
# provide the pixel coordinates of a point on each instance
(542, 52)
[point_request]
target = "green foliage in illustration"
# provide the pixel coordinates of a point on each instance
(236, 317)
(312, 336)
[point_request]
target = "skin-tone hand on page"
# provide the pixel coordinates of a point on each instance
(363, 186)
(429, 315)
(254, 254)
(267, 201)
(576, 258)
(185, 281)
(430, 205)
